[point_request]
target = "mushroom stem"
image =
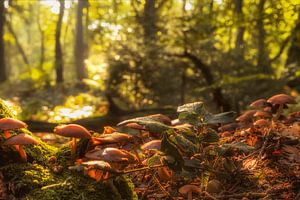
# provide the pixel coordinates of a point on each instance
(22, 153)
(8, 135)
(279, 112)
(73, 145)
(190, 195)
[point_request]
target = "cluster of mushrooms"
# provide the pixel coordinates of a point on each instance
(109, 153)
(9, 124)
(264, 113)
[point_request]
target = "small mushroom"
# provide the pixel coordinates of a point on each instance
(73, 131)
(279, 101)
(98, 169)
(188, 190)
(260, 103)
(214, 186)
(153, 144)
(110, 154)
(112, 138)
(246, 116)
(262, 123)
(262, 114)
(21, 139)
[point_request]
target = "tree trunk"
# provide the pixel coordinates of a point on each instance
(58, 50)
(204, 69)
(262, 55)
(149, 22)
(79, 42)
(293, 60)
(239, 42)
(19, 46)
(3, 75)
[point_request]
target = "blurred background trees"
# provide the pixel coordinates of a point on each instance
(146, 53)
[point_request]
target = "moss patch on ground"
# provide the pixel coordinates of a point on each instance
(36, 179)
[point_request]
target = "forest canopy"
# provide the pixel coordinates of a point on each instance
(66, 59)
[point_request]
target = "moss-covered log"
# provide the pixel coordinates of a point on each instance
(39, 179)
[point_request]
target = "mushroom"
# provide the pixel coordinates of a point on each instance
(98, 169)
(260, 103)
(262, 114)
(188, 190)
(214, 186)
(246, 116)
(21, 139)
(261, 123)
(73, 131)
(279, 101)
(153, 144)
(112, 138)
(110, 154)
(7, 124)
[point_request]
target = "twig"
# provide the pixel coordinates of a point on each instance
(209, 195)
(150, 181)
(162, 188)
(245, 194)
(56, 184)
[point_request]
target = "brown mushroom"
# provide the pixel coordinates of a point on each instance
(153, 144)
(7, 124)
(262, 114)
(73, 131)
(21, 139)
(279, 101)
(260, 103)
(188, 190)
(110, 154)
(246, 116)
(214, 186)
(112, 138)
(262, 123)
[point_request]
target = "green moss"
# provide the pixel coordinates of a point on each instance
(35, 180)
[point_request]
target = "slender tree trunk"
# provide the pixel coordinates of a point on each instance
(79, 42)
(293, 60)
(149, 22)
(3, 75)
(218, 97)
(19, 46)
(239, 42)
(58, 50)
(262, 55)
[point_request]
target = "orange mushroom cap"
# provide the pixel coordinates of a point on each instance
(189, 188)
(10, 124)
(263, 114)
(111, 155)
(72, 130)
(260, 103)
(154, 144)
(281, 99)
(115, 137)
(261, 123)
(246, 116)
(21, 139)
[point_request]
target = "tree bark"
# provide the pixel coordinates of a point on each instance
(19, 46)
(239, 42)
(204, 69)
(262, 55)
(149, 22)
(58, 50)
(3, 75)
(293, 60)
(79, 42)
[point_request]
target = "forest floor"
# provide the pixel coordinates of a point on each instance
(251, 159)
